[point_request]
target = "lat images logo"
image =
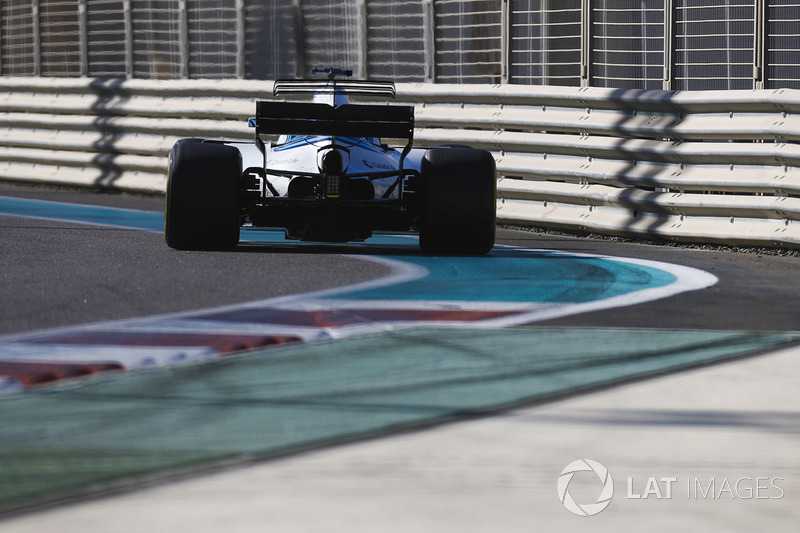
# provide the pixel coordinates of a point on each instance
(586, 509)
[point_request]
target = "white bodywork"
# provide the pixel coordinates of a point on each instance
(306, 183)
(305, 154)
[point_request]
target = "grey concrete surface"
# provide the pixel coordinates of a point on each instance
(738, 422)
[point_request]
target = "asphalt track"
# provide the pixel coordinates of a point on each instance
(56, 273)
(61, 274)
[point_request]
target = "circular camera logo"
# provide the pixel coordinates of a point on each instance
(587, 509)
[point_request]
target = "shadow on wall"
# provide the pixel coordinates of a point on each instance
(110, 96)
(644, 193)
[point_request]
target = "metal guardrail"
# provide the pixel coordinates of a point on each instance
(718, 167)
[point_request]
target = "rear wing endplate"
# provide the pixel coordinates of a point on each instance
(350, 120)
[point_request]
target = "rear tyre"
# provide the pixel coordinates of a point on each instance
(202, 208)
(458, 202)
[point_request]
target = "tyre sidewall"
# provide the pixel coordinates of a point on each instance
(458, 207)
(202, 204)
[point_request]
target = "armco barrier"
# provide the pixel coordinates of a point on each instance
(696, 166)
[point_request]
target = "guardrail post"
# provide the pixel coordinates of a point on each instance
(37, 39)
(127, 18)
(429, 40)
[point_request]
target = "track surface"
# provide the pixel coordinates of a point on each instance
(56, 274)
(291, 398)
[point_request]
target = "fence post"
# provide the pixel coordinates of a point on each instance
(240, 40)
(669, 43)
(505, 42)
(586, 44)
(300, 64)
(1, 42)
(183, 40)
(83, 38)
(37, 39)
(429, 40)
(127, 18)
(759, 45)
(361, 22)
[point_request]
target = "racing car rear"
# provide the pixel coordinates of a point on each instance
(325, 171)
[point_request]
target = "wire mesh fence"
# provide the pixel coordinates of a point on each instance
(468, 41)
(273, 41)
(59, 38)
(643, 44)
(546, 42)
(783, 34)
(628, 44)
(18, 43)
(106, 31)
(715, 44)
(396, 39)
(155, 38)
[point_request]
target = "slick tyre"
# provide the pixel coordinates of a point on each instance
(202, 207)
(458, 202)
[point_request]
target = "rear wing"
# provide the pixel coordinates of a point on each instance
(350, 120)
(384, 89)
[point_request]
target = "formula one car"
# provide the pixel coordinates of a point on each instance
(330, 176)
